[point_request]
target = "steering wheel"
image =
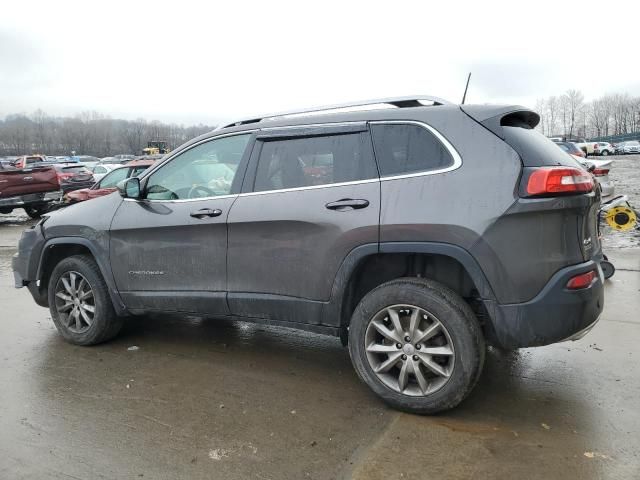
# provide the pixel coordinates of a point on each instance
(200, 188)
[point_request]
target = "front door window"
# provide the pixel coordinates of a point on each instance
(204, 171)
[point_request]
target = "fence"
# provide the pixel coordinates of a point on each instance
(617, 138)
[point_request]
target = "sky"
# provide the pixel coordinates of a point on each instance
(209, 62)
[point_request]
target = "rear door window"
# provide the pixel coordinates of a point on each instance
(313, 161)
(406, 148)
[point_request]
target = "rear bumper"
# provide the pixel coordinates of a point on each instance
(31, 199)
(554, 315)
(72, 186)
(607, 188)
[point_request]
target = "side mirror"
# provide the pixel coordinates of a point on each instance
(129, 188)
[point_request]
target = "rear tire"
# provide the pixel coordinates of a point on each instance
(80, 304)
(439, 360)
(605, 153)
(607, 269)
(35, 212)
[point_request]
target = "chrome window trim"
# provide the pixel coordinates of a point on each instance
(181, 200)
(457, 159)
(150, 171)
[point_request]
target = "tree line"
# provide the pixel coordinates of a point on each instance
(88, 133)
(569, 115)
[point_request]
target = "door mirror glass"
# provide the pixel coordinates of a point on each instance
(129, 188)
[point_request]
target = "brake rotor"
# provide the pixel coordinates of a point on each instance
(621, 218)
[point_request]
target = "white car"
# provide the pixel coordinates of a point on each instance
(588, 148)
(601, 173)
(101, 169)
(632, 146)
(604, 149)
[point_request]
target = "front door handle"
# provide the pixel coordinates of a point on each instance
(347, 204)
(206, 212)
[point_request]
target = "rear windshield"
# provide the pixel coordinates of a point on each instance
(72, 169)
(535, 149)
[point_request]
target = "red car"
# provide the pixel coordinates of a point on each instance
(108, 183)
(72, 176)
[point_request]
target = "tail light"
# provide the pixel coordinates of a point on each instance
(64, 176)
(599, 172)
(583, 280)
(581, 154)
(557, 180)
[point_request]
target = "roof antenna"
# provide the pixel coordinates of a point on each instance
(465, 89)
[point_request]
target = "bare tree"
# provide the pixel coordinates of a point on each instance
(574, 100)
(17, 134)
(541, 109)
(564, 114)
(133, 134)
(552, 113)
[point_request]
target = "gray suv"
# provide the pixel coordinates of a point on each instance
(415, 230)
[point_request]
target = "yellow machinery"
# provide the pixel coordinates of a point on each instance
(156, 147)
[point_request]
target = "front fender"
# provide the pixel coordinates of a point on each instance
(100, 255)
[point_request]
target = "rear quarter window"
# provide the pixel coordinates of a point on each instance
(535, 149)
(406, 148)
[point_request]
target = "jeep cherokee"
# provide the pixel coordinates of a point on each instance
(414, 229)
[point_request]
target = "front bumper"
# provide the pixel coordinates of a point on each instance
(554, 315)
(25, 263)
(31, 199)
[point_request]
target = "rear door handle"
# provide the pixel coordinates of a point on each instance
(206, 212)
(347, 204)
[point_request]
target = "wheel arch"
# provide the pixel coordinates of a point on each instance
(422, 257)
(56, 249)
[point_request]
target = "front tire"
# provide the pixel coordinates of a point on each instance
(605, 153)
(80, 304)
(417, 345)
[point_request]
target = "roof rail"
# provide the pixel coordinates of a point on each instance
(400, 102)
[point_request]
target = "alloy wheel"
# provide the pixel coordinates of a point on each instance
(75, 302)
(409, 350)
